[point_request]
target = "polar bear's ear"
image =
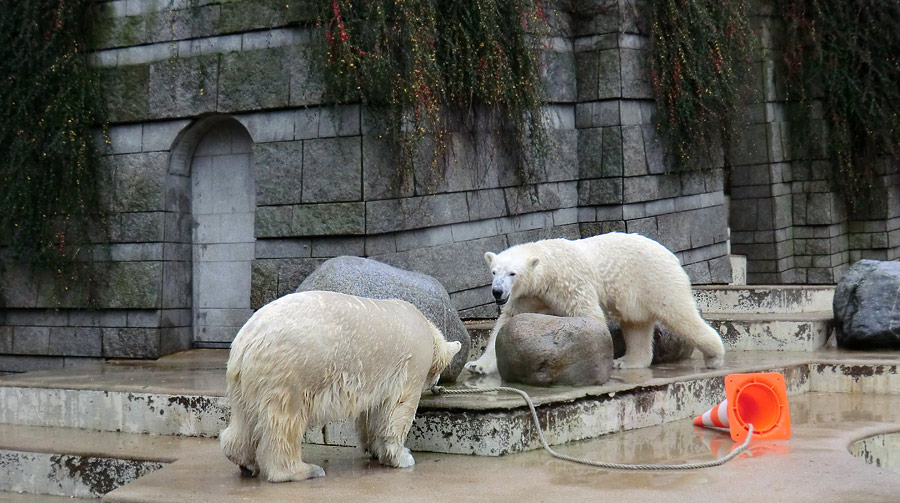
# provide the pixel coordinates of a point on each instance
(489, 258)
(533, 262)
(453, 348)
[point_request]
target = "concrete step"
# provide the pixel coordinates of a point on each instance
(491, 424)
(78, 463)
(15, 497)
(479, 332)
(772, 332)
(776, 299)
(805, 331)
(738, 269)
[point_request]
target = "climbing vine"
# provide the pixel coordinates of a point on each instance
(843, 67)
(51, 105)
(425, 67)
(700, 52)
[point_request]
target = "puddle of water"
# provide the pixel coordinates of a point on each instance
(882, 451)
(680, 442)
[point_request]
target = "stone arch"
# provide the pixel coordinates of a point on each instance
(211, 201)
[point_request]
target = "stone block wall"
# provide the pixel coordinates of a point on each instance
(177, 73)
(762, 199)
(625, 183)
(785, 214)
(876, 235)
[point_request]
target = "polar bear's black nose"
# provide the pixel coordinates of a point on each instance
(497, 293)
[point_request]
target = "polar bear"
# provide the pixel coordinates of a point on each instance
(628, 277)
(312, 357)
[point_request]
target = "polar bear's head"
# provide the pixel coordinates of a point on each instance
(507, 268)
(442, 354)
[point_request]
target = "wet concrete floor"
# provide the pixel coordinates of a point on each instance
(814, 465)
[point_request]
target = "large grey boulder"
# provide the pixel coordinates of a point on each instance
(372, 279)
(667, 347)
(867, 306)
(544, 350)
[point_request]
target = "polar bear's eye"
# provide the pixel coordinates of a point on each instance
(494, 272)
(512, 273)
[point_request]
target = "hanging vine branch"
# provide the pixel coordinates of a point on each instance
(419, 62)
(700, 53)
(51, 104)
(844, 69)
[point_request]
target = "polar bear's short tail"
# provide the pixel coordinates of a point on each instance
(693, 328)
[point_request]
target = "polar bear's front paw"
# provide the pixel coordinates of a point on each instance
(479, 367)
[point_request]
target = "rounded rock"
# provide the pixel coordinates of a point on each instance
(865, 306)
(372, 279)
(544, 350)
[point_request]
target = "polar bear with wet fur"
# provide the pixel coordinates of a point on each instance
(313, 357)
(627, 277)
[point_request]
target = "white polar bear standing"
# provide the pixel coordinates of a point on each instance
(312, 357)
(628, 277)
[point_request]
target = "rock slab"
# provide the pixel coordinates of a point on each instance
(372, 279)
(667, 346)
(867, 306)
(544, 350)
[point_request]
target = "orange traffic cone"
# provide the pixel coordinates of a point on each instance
(757, 399)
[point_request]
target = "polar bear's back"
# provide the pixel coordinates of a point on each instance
(327, 344)
(641, 274)
(629, 252)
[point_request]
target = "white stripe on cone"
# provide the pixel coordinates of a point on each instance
(716, 417)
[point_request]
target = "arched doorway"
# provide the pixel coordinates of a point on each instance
(210, 204)
(223, 203)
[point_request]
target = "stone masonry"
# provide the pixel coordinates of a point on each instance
(784, 215)
(189, 258)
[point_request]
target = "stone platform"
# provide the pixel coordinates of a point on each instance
(643, 416)
(184, 395)
(100, 430)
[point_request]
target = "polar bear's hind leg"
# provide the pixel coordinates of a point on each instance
(388, 428)
(279, 450)
(237, 443)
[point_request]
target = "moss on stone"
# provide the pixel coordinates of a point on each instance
(126, 91)
(253, 80)
(131, 285)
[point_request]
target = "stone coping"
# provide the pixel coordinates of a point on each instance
(100, 444)
(768, 317)
(13, 497)
(656, 377)
(764, 287)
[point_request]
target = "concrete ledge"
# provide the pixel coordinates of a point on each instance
(490, 425)
(763, 298)
(772, 332)
(78, 463)
(16, 497)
